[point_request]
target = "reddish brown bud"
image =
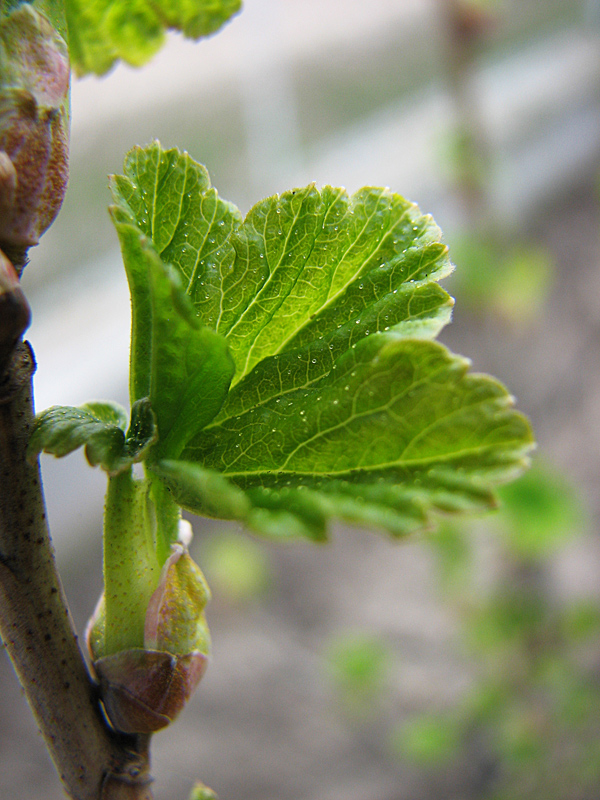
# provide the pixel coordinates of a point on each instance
(144, 690)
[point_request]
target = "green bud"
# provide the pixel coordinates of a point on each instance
(34, 123)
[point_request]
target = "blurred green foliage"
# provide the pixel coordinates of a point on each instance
(512, 280)
(536, 703)
(202, 792)
(428, 740)
(358, 665)
(539, 512)
(237, 567)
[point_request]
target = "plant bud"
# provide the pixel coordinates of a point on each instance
(34, 96)
(144, 689)
(175, 619)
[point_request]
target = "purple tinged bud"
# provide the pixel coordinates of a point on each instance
(175, 619)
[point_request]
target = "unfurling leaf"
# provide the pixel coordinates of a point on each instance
(100, 427)
(181, 365)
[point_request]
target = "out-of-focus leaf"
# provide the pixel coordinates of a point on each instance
(358, 664)
(542, 512)
(512, 281)
(104, 31)
(429, 740)
(202, 792)
(236, 567)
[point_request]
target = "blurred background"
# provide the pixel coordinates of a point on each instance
(464, 664)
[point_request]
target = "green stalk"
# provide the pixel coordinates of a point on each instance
(131, 566)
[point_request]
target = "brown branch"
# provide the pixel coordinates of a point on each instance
(14, 308)
(93, 762)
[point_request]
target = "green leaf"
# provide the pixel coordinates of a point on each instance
(100, 427)
(182, 366)
(108, 411)
(103, 31)
(60, 430)
(340, 406)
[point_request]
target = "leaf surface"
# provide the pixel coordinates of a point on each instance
(104, 31)
(341, 405)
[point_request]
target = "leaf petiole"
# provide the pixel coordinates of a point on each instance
(131, 566)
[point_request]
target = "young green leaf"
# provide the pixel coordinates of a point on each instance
(100, 427)
(103, 31)
(142, 432)
(340, 405)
